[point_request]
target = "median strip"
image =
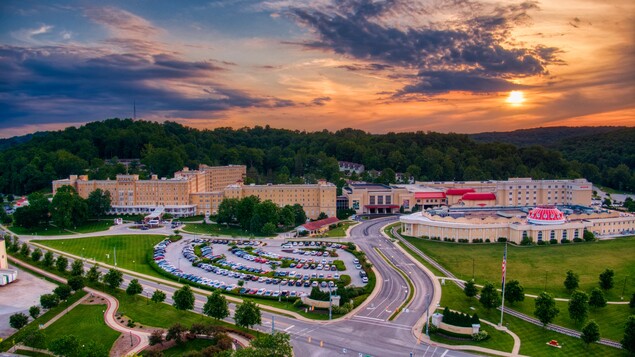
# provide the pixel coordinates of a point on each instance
(411, 292)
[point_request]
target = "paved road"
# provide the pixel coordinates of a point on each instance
(368, 331)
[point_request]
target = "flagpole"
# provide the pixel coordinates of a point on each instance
(504, 275)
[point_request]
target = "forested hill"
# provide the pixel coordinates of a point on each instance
(543, 136)
(279, 156)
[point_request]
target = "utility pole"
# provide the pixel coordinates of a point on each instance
(472, 268)
(330, 301)
(427, 316)
(504, 275)
(114, 250)
(623, 287)
(546, 274)
(273, 323)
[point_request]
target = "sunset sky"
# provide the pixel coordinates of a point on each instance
(379, 66)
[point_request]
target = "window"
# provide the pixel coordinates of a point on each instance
(380, 200)
(540, 236)
(564, 234)
(552, 235)
(372, 200)
(524, 234)
(388, 200)
(576, 234)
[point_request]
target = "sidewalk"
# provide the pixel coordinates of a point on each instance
(66, 310)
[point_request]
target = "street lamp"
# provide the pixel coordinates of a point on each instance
(624, 287)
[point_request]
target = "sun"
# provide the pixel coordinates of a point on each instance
(515, 98)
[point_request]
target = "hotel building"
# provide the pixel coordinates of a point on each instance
(201, 191)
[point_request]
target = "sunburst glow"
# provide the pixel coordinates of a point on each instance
(515, 98)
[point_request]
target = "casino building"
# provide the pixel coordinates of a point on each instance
(542, 223)
(201, 191)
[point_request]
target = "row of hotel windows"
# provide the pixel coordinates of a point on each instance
(380, 200)
(552, 234)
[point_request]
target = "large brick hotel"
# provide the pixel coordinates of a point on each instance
(200, 191)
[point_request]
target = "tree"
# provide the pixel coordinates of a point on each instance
(93, 274)
(76, 282)
(158, 296)
(606, 279)
(49, 301)
(48, 260)
(579, 306)
(227, 211)
(597, 298)
(300, 215)
(489, 296)
(470, 289)
(247, 314)
(588, 236)
(514, 292)
(35, 214)
(34, 338)
(269, 229)
(245, 211)
(77, 268)
(18, 321)
(628, 342)
(590, 332)
(34, 311)
(67, 345)
(61, 263)
(322, 215)
(134, 287)
(546, 309)
(113, 278)
(63, 292)
(156, 337)
(277, 344)
(68, 209)
(183, 298)
(24, 250)
(287, 216)
(216, 306)
(98, 202)
(36, 255)
(632, 302)
(175, 332)
(572, 281)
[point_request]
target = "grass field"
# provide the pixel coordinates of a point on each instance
(49, 230)
(534, 338)
(611, 318)
(532, 266)
(340, 231)
(215, 230)
(199, 217)
(131, 250)
(498, 340)
(42, 319)
(192, 345)
(86, 322)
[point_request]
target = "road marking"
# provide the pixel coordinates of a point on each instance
(445, 353)
(289, 328)
(369, 318)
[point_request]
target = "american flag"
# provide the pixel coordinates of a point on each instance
(504, 266)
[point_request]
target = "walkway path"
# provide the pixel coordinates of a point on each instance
(140, 338)
(527, 318)
(66, 311)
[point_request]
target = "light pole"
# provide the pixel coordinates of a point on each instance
(427, 315)
(472, 268)
(330, 302)
(546, 274)
(624, 287)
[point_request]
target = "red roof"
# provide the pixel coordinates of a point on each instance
(478, 196)
(420, 195)
(458, 191)
(311, 226)
(545, 215)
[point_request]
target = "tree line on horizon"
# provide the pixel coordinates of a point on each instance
(286, 156)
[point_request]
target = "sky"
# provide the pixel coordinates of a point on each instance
(460, 66)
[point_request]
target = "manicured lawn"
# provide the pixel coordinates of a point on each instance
(214, 230)
(341, 230)
(610, 318)
(190, 219)
(49, 230)
(86, 322)
(192, 345)
(498, 340)
(131, 250)
(533, 338)
(33, 325)
(531, 265)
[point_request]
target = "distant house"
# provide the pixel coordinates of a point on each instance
(350, 167)
(23, 201)
(317, 227)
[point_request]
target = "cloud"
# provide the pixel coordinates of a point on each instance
(473, 52)
(321, 101)
(31, 35)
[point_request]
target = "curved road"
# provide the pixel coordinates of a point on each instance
(366, 331)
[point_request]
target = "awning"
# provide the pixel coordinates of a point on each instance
(382, 206)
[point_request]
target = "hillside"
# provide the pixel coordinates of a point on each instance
(282, 156)
(543, 136)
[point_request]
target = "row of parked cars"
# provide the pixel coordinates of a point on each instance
(312, 244)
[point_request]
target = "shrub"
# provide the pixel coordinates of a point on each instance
(480, 336)
(565, 241)
(527, 241)
(502, 239)
(541, 242)
(487, 240)
(553, 241)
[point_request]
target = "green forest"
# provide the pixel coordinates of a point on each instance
(28, 164)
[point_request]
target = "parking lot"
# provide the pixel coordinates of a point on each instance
(307, 264)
